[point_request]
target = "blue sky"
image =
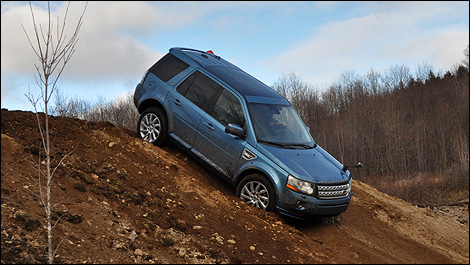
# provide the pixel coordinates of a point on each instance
(318, 41)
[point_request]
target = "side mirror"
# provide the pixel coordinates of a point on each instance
(358, 165)
(235, 130)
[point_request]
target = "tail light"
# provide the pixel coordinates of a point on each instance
(143, 78)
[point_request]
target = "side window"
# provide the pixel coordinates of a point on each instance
(168, 67)
(228, 109)
(199, 89)
(183, 88)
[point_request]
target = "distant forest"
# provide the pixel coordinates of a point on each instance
(409, 130)
(395, 124)
(402, 125)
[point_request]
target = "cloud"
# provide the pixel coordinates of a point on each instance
(115, 40)
(16, 51)
(108, 48)
(396, 34)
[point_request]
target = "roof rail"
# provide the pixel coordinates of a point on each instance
(194, 50)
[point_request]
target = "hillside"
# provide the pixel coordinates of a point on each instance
(122, 200)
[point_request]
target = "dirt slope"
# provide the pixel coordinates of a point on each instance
(121, 200)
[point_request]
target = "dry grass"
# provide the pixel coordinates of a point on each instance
(424, 188)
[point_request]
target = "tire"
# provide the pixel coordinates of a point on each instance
(256, 190)
(152, 126)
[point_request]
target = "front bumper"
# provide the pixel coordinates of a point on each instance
(300, 206)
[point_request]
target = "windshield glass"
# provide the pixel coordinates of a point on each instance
(279, 125)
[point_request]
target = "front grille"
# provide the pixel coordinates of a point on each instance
(333, 191)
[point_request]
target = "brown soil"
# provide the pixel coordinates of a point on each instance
(119, 199)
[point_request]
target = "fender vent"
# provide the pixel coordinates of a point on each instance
(248, 155)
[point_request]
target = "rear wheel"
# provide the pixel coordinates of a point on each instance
(152, 126)
(256, 190)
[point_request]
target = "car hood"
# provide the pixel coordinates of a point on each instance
(313, 165)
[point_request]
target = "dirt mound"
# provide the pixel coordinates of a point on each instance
(119, 199)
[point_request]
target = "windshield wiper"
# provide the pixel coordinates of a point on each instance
(276, 144)
(290, 146)
(306, 146)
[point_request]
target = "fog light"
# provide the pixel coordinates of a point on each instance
(299, 204)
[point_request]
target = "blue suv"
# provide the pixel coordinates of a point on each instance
(243, 130)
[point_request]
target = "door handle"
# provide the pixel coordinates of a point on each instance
(177, 102)
(209, 125)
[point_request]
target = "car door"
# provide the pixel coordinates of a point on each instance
(218, 148)
(189, 102)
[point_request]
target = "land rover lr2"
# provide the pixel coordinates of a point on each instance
(243, 130)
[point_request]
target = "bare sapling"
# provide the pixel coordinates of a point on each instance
(54, 49)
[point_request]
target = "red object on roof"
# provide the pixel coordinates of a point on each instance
(210, 51)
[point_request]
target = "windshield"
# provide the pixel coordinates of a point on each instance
(279, 125)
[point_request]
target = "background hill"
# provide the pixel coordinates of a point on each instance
(119, 199)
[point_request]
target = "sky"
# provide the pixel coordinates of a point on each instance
(318, 41)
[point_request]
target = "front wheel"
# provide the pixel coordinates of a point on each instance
(257, 191)
(152, 126)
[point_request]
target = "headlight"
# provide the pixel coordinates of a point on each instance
(300, 186)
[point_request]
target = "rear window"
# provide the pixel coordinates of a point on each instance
(168, 67)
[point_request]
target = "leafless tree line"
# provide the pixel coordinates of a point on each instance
(396, 122)
(120, 112)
